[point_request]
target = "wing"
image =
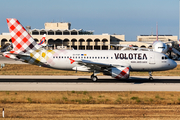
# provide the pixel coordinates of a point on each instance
(99, 66)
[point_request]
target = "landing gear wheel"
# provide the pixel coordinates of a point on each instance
(94, 78)
(151, 78)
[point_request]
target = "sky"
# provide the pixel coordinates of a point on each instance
(128, 17)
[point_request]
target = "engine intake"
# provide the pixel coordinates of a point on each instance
(118, 72)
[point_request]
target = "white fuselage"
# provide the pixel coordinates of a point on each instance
(135, 60)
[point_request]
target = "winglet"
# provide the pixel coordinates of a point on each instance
(71, 60)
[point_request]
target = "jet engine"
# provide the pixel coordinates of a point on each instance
(118, 72)
(159, 46)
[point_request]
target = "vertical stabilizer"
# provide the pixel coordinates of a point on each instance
(42, 42)
(21, 39)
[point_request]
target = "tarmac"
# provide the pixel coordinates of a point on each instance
(84, 83)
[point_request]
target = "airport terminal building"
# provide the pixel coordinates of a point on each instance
(61, 36)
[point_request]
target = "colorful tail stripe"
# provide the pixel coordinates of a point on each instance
(42, 40)
(21, 40)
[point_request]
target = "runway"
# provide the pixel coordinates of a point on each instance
(84, 83)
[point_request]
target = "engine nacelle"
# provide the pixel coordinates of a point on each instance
(159, 46)
(119, 72)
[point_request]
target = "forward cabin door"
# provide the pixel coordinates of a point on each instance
(151, 58)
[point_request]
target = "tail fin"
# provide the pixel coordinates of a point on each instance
(42, 42)
(21, 39)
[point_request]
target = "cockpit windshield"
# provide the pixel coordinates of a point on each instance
(164, 57)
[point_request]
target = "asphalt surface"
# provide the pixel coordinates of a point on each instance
(84, 83)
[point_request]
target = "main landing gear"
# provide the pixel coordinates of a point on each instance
(94, 77)
(150, 76)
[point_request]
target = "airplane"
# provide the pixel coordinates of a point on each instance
(114, 63)
(157, 46)
(42, 42)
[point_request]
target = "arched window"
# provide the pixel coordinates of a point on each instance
(96, 46)
(35, 32)
(51, 42)
(59, 42)
(74, 32)
(66, 42)
(42, 32)
(3, 41)
(50, 32)
(82, 44)
(66, 32)
(37, 41)
(58, 32)
(74, 44)
(89, 44)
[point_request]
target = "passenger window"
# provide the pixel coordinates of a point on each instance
(56, 56)
(107, 57)
(111, 57)
(53, 56)
(65, 57)
(92, 57)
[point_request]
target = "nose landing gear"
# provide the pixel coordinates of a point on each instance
(150, 76)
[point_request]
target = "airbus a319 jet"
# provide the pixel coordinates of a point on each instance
(115, 63)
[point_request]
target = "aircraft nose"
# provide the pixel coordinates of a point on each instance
(172, 64)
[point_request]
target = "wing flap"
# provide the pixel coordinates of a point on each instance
(99, 65)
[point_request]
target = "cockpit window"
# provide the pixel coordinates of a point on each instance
(164, 57)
